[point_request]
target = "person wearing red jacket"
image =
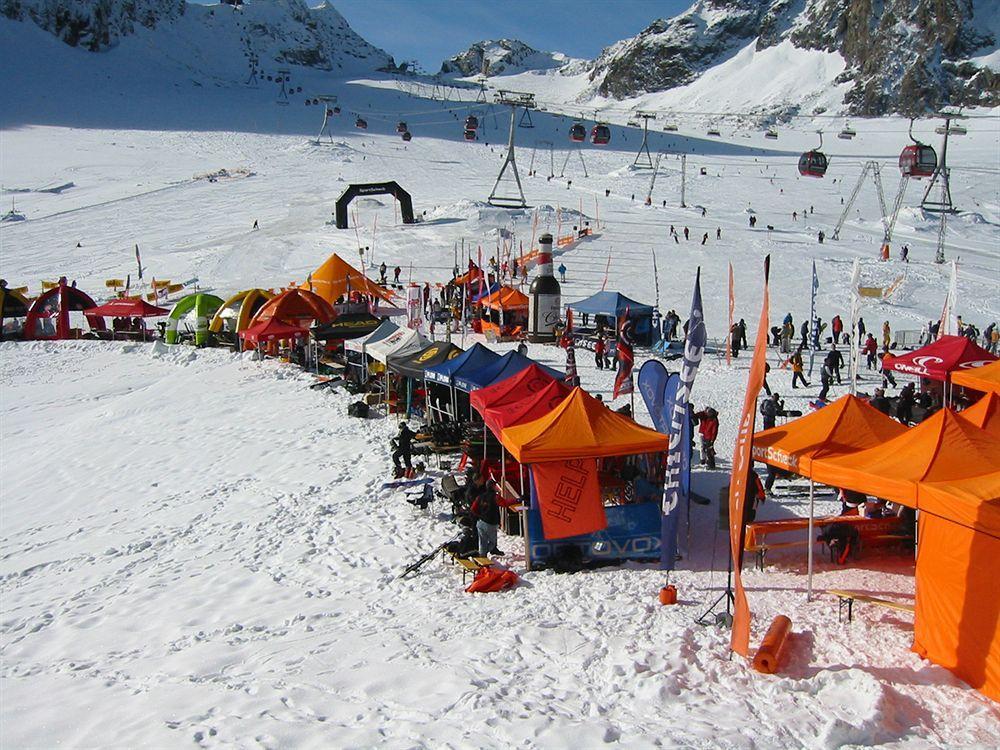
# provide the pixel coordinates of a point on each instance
(708, 428)
(870, 350)
(599, 350)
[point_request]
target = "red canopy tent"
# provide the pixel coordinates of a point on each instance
(127, 308)
(938, 360)
(272, 329)
(58, 303)
(527, 409)
(528, 381)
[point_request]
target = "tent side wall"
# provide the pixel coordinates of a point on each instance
(957, 620)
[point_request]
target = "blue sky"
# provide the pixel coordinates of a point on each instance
(431, 31)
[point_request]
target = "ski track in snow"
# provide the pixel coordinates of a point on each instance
(195, 547)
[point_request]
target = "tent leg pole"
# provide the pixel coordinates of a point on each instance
(812, 501)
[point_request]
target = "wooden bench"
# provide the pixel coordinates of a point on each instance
(847, 598)
(470, 564)
(762, 549)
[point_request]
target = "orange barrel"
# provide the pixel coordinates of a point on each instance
(668, 595)
(769, 654)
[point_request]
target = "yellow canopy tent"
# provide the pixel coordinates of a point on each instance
(240, 309)
(337, 278)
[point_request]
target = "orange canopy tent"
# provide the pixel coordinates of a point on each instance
(580, 427)
(847, 425)
(957, 617)
(507, 299)
(943, 447)
(985, 378)
(473, 274)
(297, 307)
(985, 413)
(337, 278)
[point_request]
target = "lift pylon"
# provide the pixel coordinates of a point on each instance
(514, 100)
(644, 146)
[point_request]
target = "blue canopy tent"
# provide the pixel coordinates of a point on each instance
(495, 286)
(612, 307)
(509, 364)
(442, 376)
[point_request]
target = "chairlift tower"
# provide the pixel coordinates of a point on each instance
(327, 101)
(514, 100)
(888, 220)
(578, 148)
(644, 146)
(283, 76)
(552, 156)
(942, 173)
(252, 79)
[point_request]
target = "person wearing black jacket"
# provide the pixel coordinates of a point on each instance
(404, 446)
(904, 406)
(487, 515)
(835, 360)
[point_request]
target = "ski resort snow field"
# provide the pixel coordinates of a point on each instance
(196, 548)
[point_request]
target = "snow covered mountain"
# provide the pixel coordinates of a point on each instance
(491, 57)
(901, 56)
(285, 32)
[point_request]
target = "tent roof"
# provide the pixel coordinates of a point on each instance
(973, 502)
(509, 364)
(348, 326)
(294, 306)
(985, 378)
(385, 329)
(505, 298)
(272, 329)
(468, 277)
(944, 447)
(128, 308)
(472, 359)
(413, 365)
(580, 427)
(940, 358)
(336, 277)
(70, 298)
(486, 292)
(527, 409)
(401, 342)
(985, 413)
(848, 424)
(522, 385)
(612, 304)
(13, 304)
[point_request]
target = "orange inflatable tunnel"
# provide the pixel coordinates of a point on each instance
(769, 654)
(493, 579)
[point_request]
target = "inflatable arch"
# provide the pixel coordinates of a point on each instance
(204, 307)
(374, 188)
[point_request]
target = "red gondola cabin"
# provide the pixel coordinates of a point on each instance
(578, 133)
(600, 135)
(470, 135)
(813, 164)
(918, 160)
(471, 122)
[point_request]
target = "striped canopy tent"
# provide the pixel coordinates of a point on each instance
(236, 312)
(985, 378)
(203, 306)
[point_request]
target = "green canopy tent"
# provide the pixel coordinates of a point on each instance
(203, 306)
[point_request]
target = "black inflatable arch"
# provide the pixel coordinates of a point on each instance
(374, 188)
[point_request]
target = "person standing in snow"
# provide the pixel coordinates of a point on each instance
(404, 443)
(395, 274)
(797, 369)
(687, 233)
(886, 335)
(825, 379)
(771, 409)
(599, 348)
(708, 428)
(562, 272)
(256, 226)
(837, 327)
(487, 514)
(382, 270)
(804, 332)
(870, 350)
(704, 238)
(835, 360)
(718, 233)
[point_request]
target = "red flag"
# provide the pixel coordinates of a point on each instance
(742, 462)
(626, 359)
(729, 349)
